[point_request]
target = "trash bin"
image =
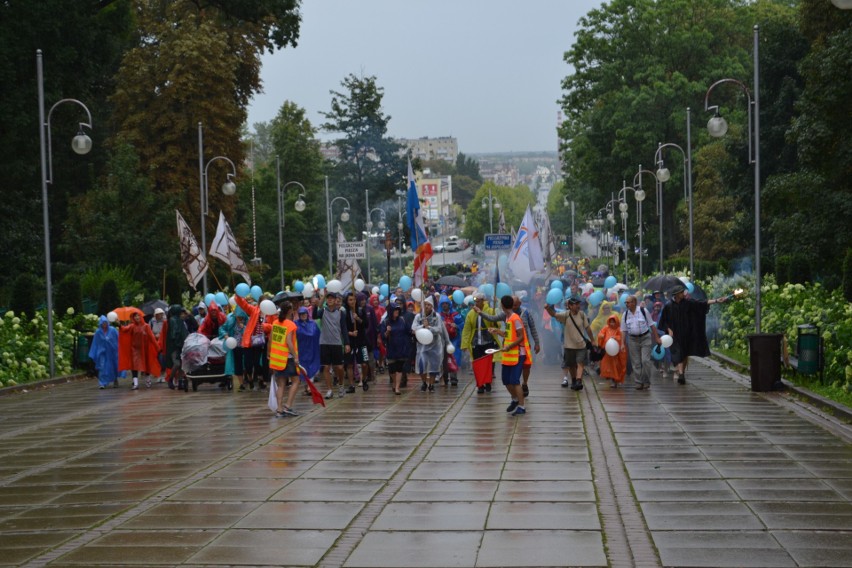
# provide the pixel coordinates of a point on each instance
(765, 361)
(808, 349)
(81, 354)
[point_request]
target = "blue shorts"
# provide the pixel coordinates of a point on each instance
(512, 375)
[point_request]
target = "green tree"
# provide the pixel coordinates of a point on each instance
(109, 298)
(69, 295)
(369, 158)
(513, 203)
(23, 300)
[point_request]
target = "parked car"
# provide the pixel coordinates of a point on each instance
(452, 244)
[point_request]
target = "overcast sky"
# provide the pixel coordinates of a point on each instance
(487, 72)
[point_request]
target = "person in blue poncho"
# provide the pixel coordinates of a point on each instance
(104, 352)
(308, 336)
(235, 326)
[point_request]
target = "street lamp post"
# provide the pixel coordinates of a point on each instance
(399, 195)
(344, 216)
(380, 226)
(663, 175)
(566, 202)
(640, 197)
(717, 126)
(81, 144)
(490, 202)
(299, 206)
(228, 188)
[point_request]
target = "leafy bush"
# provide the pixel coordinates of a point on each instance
(69, 295)
(23, 294)
(847, 275)
(109, 298)
(783, 309)
(25, 346)
(129, 289)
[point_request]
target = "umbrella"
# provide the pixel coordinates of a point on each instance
(468, 290)
(124, 313)
(451, 280)
(697, 293)
(662, 282)
(149, 307)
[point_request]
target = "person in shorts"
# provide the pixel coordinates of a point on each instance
(283, 356)
(334, 342)
(575, 342)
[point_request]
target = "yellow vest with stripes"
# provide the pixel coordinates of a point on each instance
(278, 350)
(512, 356)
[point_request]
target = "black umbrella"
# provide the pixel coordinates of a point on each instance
(662, 282)
(149, 307)
(451, 280)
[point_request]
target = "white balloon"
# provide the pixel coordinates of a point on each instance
(334, 286)
(359, 285)
(612, 347)
(468, 299)
(376, 290)
(424, 336)
(268, 308)
(112, 317)
(308, 290)
(684, 279)
(232, 301)
(588, 286)
(451, 348)
(231, 342)
(666, 340)
(417, 294)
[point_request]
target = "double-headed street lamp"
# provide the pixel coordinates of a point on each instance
(663, 175)
(717, 126)
(228, 188)
(491, 203)
(369, 226)
(299, 206)
(640, 197)
(81, 144)
(329, 219)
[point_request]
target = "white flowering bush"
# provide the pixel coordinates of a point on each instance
(783, 309)
(25, 345)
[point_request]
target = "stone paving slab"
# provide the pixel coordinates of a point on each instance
(716, 476)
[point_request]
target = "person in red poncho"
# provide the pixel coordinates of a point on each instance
(137, 350)
(212, 321)
(614, 367)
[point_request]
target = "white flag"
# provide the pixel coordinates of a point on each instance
(547, 239)
(501, 224)
(192, 258)
(525, 258)
(226, 249)
(346, 268)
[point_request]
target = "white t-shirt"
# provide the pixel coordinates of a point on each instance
(635, 323)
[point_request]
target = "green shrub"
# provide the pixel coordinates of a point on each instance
(800, 269)
(782, 268)
(69, 295)
(109, 298)
(847, 275)
(130, 290)
(23, 294)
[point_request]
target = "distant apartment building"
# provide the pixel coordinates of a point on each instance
(444, 148)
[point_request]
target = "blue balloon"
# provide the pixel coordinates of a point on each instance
(623, 299)
(383, 290)
(381, 298)
(610, 281)
(256, 292)
(690, 287)
(221, 299)
(242, 289)
(458, 297)
(557, 284)
(554, 297)
(502, 262)
(320, 281)
(405, 283)
(209, 299)
(299, 285)
(488, 290)
(658, 353)
(504, 290)
(596, 298)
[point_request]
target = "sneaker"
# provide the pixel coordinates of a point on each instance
(289, 412)
(101, 387)
(134, 387)
(365, 385)
(519, 410)
(526, 390)
(487, 387)
(431, 388)
(241, 389)
(423, 387)
(566, 383)
(512, 406)
(341, 391)
(480, 390)
(454, 381)
(579, 384)
(161, 380)
(329, 394)
(172, 385)
(350, 389)
(148, 383)
(681, 379)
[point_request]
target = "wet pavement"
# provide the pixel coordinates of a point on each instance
(706, 474)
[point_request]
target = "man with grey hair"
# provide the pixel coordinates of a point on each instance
(637, 332)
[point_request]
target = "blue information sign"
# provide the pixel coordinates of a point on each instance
(498, 241)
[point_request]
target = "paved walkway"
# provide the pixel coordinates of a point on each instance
(707, 474)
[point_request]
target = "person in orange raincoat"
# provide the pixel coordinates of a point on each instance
(613, 368)
(253, 343)
(137, 350)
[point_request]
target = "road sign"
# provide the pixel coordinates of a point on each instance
(353, 250)
(498, 241)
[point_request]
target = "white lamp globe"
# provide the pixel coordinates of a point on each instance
(229, 188)
(663, 174)
(344, 216)
(81, 144)
(717, 126)
(300, 205)
(640, 195)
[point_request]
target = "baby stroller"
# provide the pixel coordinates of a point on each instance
(203, 361)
